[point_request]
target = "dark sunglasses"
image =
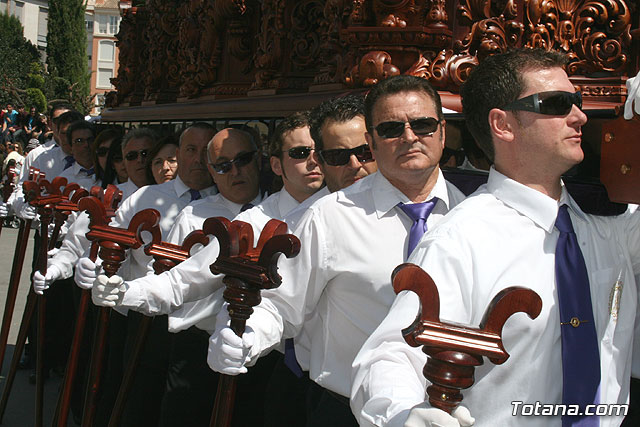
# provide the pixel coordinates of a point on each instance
(299, 153)
(553, 103)
(133, 155)
(341, 156)
(423, 126)
(102, 151)
(83, 140)
(240, 160)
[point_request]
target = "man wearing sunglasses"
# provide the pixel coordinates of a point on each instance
(135, 146)
(523, 229)
(80, 136)
(338, 128)
(337, 289)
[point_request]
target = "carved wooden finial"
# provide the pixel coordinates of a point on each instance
(454, 350)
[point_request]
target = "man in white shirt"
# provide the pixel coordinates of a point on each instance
(524, 112)
(337, 288)
(80, 135)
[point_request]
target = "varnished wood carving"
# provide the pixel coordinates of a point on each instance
(454, 350)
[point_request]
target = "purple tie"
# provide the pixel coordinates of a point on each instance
(580, 352)
(418, 212)
(246, 206)
(195, 194)
(68, 162)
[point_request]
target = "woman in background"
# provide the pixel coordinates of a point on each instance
(162, 163)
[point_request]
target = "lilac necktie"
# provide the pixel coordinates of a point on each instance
(418, 212)
(68, 162)
(195, 194)
(580, 350)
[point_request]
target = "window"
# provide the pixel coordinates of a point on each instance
(43, 15)
(102, 24)
(104, 76)
(114, 23)
(89, 24)
(17, 10)
(106, 50)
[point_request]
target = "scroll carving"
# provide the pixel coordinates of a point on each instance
(374, 67)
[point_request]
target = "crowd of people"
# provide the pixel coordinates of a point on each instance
(359, 181)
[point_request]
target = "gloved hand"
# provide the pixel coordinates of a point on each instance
(423, 415)
(27, 212)
(108, 291)
(86, 273)
(633, 97)
(4, 210)
(229, 353)
(40, 282)
(53, 252)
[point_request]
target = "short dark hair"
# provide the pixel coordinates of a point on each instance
(69, 117)
(292, 122)
(497, 81)
(395, 85)
(163, 142)
(339, 110)
(59, 106)
(79, 125)
(197, 125)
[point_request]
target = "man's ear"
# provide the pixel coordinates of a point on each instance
(500, 125)
(372, 144)
(276, 165)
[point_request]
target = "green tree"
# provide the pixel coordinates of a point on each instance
(17, 55)
(67, 53)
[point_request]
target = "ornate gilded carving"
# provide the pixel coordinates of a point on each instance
(269, 53)
(446, 70)
(162, 79)
(373, 67)
(333, 51)
(305, 39)
(595, 34)
(189, 36)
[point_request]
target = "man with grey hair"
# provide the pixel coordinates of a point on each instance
(193, 181)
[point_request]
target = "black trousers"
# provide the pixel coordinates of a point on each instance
(325, 408)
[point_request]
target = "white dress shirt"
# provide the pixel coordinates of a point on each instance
(80, 177)
(75, 243)
(168, 198)
(337, 288)
(503, 236)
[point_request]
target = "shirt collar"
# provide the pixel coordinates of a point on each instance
(286, 202)
(386, 196)
(235, 208)
(538, 207)
(181, 188)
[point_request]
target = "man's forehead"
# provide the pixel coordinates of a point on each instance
(347, 134)
(145, 141)
(229, 146)
(298, 137)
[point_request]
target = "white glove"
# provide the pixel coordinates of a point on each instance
(423, 415)
(108, 291)
(4, 210)
(86, 273)
(40, 282)
(27, 212)
(633, 97)
(229, 353)
(53, 252)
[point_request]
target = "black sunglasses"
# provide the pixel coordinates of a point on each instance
(240, 160)
(133, 155)
(341, 156)
(423, 126)
(102, 151)
(299, 153)
(553, 103)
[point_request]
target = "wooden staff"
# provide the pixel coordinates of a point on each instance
(110, 198)
(44, 205)
(16, 268)
(455, 350)
(247, 271)
(61, 211)
(7, 189)
(166, 256)
(113, 242)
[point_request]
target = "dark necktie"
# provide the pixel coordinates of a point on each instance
(580, 351)
(246, 206)
(68, 162)
(418, 212)
(89, 171)
(195, 194)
